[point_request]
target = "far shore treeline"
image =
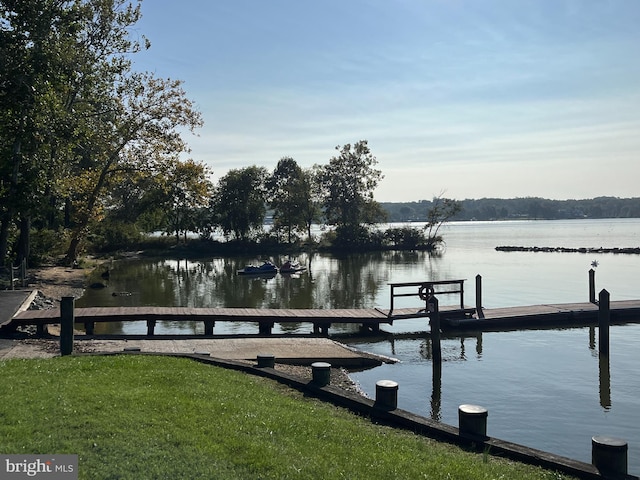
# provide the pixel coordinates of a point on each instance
(525, 208)
(92, 160)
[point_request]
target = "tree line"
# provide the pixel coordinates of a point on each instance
(525, 208)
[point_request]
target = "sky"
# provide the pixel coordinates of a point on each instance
(461, 98)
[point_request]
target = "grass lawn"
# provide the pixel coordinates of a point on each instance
(137, 417)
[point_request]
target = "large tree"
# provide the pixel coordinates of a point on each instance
(37, 40)
(187, 193)
(348, 183)
(238, 203)
(288, 192)
(139, 133)
(76, 118)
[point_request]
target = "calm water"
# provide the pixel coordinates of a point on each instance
(546, 389)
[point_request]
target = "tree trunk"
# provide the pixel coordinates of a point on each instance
(4, 238)
(7, 218)
(74, 245)
(24, 241)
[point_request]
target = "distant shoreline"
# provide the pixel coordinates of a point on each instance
(624, 250)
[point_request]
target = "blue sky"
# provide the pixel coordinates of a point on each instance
(473, 98)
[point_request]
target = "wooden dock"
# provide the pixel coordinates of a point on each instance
(452, 318)
(529, 317)
(368, 318)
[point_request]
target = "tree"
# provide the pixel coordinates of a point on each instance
(288, 192)
(310, 208)
(441, 210)
(348, 182)
(187, 192)
(138, 133)
(238, 203)
(36, 38)
(75, 117)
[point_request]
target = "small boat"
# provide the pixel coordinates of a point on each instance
(291, 267)
(267, 268)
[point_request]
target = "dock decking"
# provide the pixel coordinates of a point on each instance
(452, 318)
(562, 315)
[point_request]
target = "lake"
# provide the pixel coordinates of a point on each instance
(546, 389)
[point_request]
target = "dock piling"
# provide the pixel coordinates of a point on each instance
(67, 319)
(386, 394)
(434, 321)
(592, 285)
(609, 455)
(266, 360)
(321, 373)
(604, 320)
(208, 327)
(472, 420)
(479, 311)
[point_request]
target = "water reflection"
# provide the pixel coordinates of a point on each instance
(436, 392)
(349, 281)
(604, 375)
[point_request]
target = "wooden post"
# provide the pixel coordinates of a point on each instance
(321, 373)
(264, 328)
(208, 327)
(151, 326)
(609, 455)
(386, 394)
(88, 327)
(67, 319)
(592, 285)
(436, 391)
(472, 420)
(604, 320)
(434, 321)
(604, 375)
(479, 311)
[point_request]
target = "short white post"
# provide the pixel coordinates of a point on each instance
(386, 394)
(472, 420)
(321, 373)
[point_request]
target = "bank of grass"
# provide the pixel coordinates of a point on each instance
(136, 417)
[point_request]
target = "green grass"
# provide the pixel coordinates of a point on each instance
(136, 417)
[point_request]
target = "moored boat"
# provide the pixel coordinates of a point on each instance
(267, 268)
(291, 267)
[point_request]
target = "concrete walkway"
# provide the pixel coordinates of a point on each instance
(13, 302)
(290, 350)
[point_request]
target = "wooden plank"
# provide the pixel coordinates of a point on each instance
(533, 313)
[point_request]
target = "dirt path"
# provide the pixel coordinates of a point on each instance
(58, 282)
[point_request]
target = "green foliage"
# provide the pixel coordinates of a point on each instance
(113, 235)
(75, 119)
(238, 203)
(136, 417)
(288, 192)
(45, 245)
(348, 182)
(405, 237)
